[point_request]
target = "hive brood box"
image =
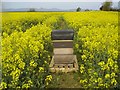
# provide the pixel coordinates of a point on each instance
(63, 58)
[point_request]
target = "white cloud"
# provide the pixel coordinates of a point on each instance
(57, 0)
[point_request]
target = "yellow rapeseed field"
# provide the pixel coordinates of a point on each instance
(27, 47)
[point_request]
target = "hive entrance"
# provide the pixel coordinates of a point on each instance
(64, 63)
(63, 58)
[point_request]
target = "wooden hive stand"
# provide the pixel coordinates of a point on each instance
(63, 59)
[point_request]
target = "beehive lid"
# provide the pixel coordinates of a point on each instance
(62, 35)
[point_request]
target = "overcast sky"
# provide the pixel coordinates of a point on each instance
(58, 0)
(60, 4)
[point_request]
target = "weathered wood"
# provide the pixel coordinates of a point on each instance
(70, 65)
(63, 44)
(63, 59)
(76, 64)
(63, 50)
(62, 41)
(59, 65)
(64, 67)
(52, 62)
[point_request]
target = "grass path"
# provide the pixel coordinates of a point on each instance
(65, 80)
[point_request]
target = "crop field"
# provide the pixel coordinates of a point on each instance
(27, 48)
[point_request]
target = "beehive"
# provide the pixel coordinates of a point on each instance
(63, 58)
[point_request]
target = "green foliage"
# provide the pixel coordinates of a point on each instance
(106, 6)
(78, 9)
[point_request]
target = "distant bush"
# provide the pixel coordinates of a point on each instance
(31, 10)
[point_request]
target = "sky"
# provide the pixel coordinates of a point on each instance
(60, 4)
(58, 0)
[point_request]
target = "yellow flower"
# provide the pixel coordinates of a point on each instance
(101, 85)
(33, 63)
(84, 57)
(4, 85)
(48, 79)
(113, 81)
(82, 68)
(107, 76)
(112, 74)
(100, 80)
(110, 62)
(77, 46)
(45, 62)
(101, 63)
(21, 65)
(30, 82)
(41, 69)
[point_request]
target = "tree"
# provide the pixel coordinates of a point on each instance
(78, 9)
(106, 6)
(101, 7)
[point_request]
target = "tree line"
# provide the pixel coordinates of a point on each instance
(106, 6)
